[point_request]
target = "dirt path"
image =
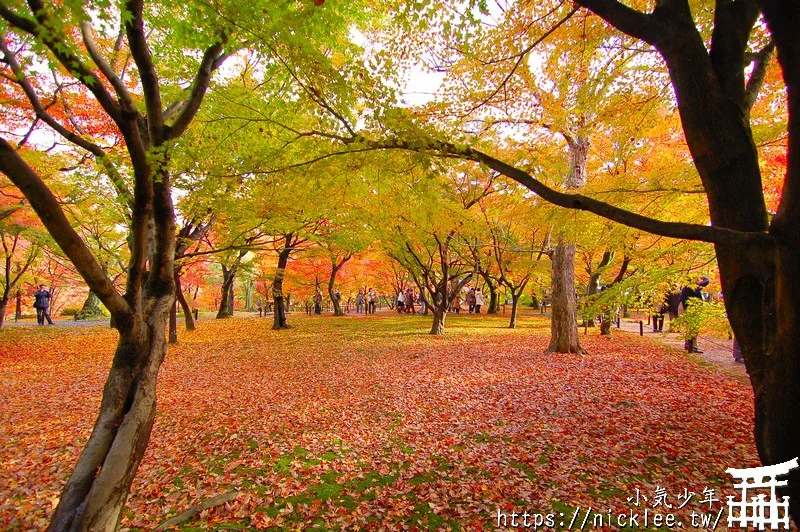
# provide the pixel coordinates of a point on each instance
(716, 351)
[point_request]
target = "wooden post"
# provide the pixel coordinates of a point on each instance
(641, 328)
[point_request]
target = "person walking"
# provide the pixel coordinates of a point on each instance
(456, 306)
(372, 301)
(41, 303)
(479, 301)
(471, 300)
(410, 300)
(260, 307)
(401, 301)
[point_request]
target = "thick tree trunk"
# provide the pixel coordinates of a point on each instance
(226, 293)
(279, 320)
(95, 494)
(188, 317)
(18, 309)
(514, 307)
(3, 307)
(91, 308)
(439, 315)
(563, 325)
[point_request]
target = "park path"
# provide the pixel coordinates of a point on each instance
(716, 351)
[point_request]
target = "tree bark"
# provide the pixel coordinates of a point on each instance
(188, 317)
(336, 266)
(173, 324)
(564, 324)
(96, 492)
(3, 306)
(514, 307)
(226, 292)
(91, 308)
(493, 299)
(439, 314)
(279, 319)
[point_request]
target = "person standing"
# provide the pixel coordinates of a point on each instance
(318, 302)
(260, 306)
(360, 301)
(372, 301)
(401, 301)
(688, 294)
(479, 301)
(41, 303)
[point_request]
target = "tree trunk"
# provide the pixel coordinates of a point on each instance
(564, 325)
(91, 308)
(514, 306)
(494, 301)
(95, 494)
(226, 293)
(18, 310)
(188, 317)
(594, 281)
(3, 306)
(279, 320)
(439, 315)
(173, 324)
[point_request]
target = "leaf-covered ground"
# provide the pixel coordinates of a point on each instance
(368, 423)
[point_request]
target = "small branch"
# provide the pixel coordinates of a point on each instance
(213, 502)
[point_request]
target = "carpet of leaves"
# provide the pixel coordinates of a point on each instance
(369, 423)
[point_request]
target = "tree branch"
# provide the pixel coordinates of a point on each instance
(49, 211)
(119, 87)
(41, 30)
(629, 21)
(756, 80)
(134, 29)
(199, 88)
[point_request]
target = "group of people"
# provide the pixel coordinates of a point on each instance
(474, 300)
(366, 302)
(406, 300)
(675, 303)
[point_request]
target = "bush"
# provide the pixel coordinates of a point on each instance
(70, 311)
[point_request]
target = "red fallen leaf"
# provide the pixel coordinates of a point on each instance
(332, 411)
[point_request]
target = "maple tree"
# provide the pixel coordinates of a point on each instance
(109, 54)
(716, 81)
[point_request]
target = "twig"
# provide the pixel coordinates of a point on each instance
(194, 510)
